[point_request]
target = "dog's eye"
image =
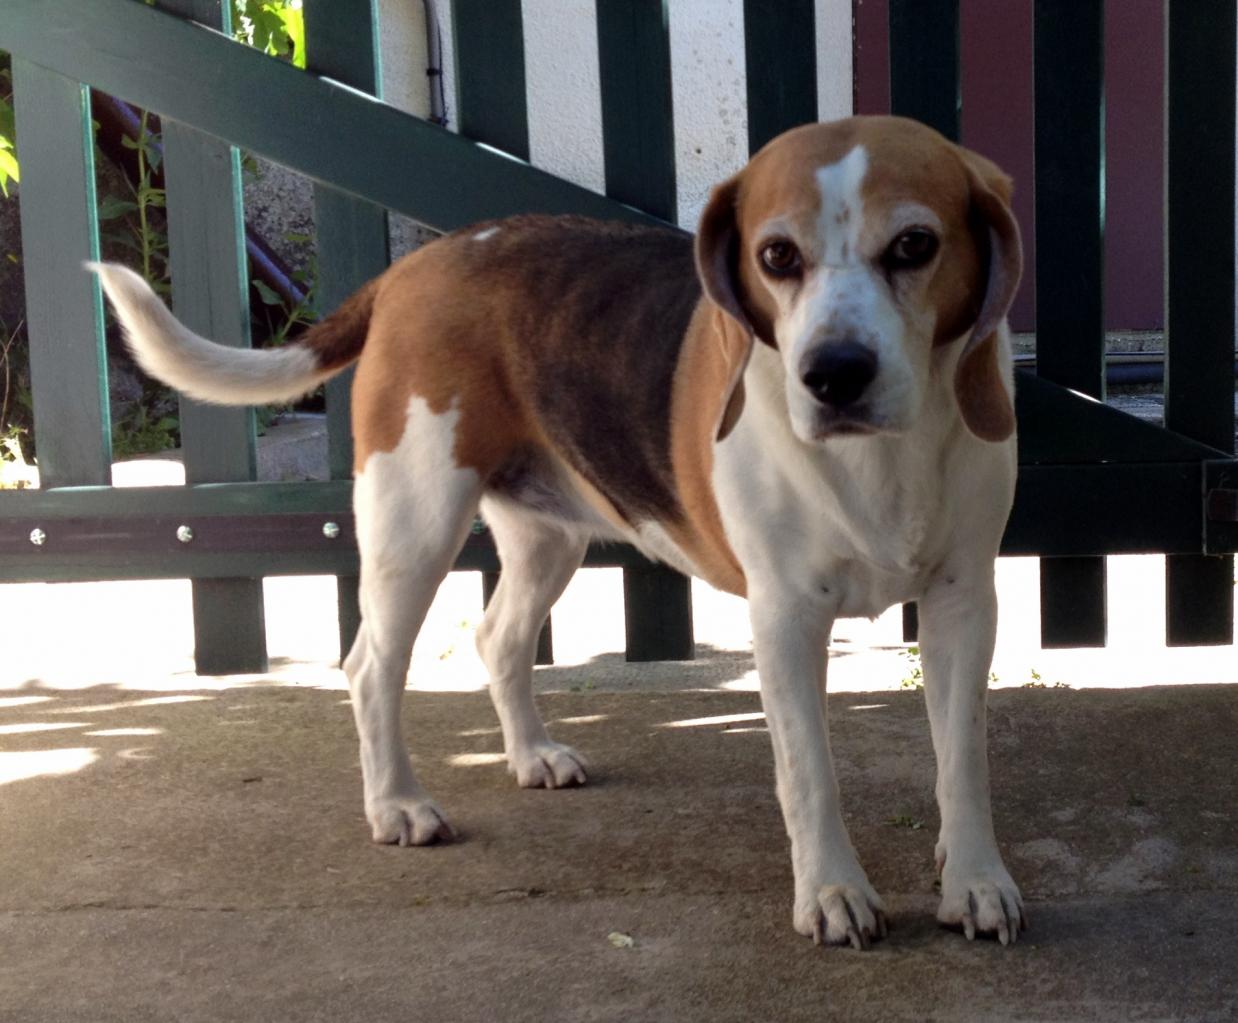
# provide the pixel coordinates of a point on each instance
(910, 250)
(781, 258)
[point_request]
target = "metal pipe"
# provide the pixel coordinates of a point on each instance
(117, 120)
(434, 65)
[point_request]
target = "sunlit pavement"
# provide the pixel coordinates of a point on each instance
(180, 847)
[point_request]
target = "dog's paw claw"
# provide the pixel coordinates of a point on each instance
(986, 904)
(844, 915)
(548, 765)
(406, 822)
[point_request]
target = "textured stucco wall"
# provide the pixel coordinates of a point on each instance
(708, 86)
(561, 71)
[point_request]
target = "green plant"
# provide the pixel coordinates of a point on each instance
(141, 431)
(905, 820)
(914, 678)
(8, 145)
(129, 222)
(276, 27)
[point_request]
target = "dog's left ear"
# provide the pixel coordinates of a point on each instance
(984, 403)
(717, 264)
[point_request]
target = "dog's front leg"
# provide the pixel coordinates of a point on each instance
(834, 903)
(958, 618)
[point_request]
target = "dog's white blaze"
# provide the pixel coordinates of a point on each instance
(842, 208)
(489, 232)
(169, 351)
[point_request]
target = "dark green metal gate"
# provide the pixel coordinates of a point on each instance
(1093, 481)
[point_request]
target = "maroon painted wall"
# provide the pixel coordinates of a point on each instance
(996, 45)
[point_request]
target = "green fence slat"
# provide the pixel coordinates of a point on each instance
(1199, 291)
(1199, 236)
(64, 312)
(780, 54)
(341, 41)
(1070, 327)
(638, 130)
(490, 86)
(638, 154)
(924, 63)
(657, 610)
(371, 150)
(1199, 600)
(210, 295)
(1069, 190)
(491, 101)
(1072, 603)
(911, 622)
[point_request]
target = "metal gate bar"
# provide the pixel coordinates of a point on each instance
(780, 57)
(925, 84)
(1070, 318)
(210, 295)
(64, 312)
(638, 152)
(341, 41)
(491, 90)
(1199, 295)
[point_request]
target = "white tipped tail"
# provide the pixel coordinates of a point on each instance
(169, 351)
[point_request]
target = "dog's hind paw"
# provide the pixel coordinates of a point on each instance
(409, 821)
(843, 915)
(547, 765)
(985, 902)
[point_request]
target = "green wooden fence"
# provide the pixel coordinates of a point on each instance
(1093, 481)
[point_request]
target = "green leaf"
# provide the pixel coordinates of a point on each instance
(294, 28)
(268, 296)
(112, 207)
(8, 169)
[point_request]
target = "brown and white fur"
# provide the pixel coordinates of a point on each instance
(814, 413)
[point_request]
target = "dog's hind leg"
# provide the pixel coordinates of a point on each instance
(414, 507)
(538, 561)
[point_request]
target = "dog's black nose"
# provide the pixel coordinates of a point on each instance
(838, 372)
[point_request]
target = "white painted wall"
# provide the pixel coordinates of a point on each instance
(708, 83)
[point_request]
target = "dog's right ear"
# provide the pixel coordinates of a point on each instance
(717, 264)
(717, 251)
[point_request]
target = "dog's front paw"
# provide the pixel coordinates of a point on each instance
(408, 820)
(843, 914)
(981, 900)
(547, 765)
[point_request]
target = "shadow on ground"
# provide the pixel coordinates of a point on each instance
(203, 855)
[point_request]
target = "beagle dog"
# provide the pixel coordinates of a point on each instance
(814, 412)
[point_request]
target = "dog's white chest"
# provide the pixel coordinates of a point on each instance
(862, 521)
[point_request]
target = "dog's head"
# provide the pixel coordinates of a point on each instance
(853, 249)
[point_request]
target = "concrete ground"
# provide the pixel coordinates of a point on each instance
(189, 848)
(203, 856)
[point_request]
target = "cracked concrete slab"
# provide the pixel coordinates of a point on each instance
(202, 855)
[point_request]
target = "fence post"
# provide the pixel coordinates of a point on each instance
(780, 59)
(210, 295)
(64, 311)
(638, 149)
(493, 108)
(1199, 283)
(925, 85)
(1070, 224)
(341, 41)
